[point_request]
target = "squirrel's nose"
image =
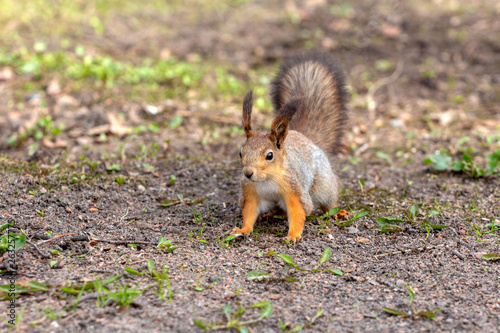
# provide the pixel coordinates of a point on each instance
(248, 173)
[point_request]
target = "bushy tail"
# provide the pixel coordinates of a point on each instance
(315, 77)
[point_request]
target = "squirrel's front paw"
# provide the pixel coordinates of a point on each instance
(238, 231)
(291, 239)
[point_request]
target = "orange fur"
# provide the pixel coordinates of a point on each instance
(296, 216)
(295, 211)
(250, 210)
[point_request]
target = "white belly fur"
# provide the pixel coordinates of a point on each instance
(269, 196)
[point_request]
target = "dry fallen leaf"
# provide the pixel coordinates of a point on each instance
(47, 143)
(390, 30)
(342, 215)
(53, 88)
(6, 74)
(363, 240)
(93, 209)
(68, 210)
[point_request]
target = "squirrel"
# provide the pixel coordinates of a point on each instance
(293, 167)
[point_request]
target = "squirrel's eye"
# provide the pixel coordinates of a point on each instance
(240, 154)
(269, 156)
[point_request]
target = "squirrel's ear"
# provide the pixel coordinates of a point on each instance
(279, 128)
(247, 114)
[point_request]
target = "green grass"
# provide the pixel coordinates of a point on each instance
(76, 19)
(170, 78)
(60, 39)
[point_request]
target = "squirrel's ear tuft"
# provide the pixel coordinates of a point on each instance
(247, 114)
(279, 128)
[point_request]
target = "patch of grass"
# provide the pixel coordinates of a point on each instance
(225, 240)
(32, 287)
(413, 313)
(354, 217)
(199, 288)
(480, 231)
(17, 320)
(120, 180)
(384, 156)
(491, 256)
(160, 276)
(122, 295)
(90, 286)
(43, 128)
(324, 258)
(443, 162)
(11, 241)
(234, 317)
(166, 245)
(153, 79)
(390, 223)
(51, 314)
(287, 327)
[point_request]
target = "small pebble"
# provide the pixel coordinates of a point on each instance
(352, 230)
(400, 283)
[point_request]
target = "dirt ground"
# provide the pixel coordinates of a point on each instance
(424, 77)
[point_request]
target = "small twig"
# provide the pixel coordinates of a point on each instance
(126, 213)
(38, 250)
(40, 236)
(85, 238)
(54, 238)
(80, 238)
(71, 315)
(458, 254)
(39, 321)
(86, 297)
(420, 249)
(390, 285)
(124, 242)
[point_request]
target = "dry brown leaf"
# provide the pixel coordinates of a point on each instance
(342, 215)
(53, 88)
(6, 74)
(116, 124)
(390, 30)
(47, 143)
(93, 209)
